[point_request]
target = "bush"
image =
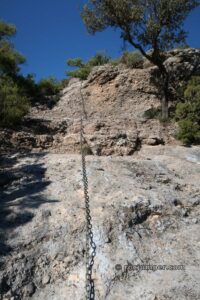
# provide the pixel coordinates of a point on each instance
(188, 113)
(81, 73)
(189, 132)
(99, 59)
(13, 103)
(28, 86)
(84, 69)
(64, 83)
(115, 62)
(193, 88)
(48, 86)
(153, 113)
(132, 59)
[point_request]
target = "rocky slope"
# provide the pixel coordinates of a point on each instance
(115, 100)
(143, 186)
(145, 211)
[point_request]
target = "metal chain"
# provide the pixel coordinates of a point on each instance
(90, 245)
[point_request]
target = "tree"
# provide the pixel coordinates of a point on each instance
(10, 59)
(14, 104)
(145, 24)
(6, 30)
(14, 101)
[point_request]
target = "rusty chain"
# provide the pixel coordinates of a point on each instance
(90, 244)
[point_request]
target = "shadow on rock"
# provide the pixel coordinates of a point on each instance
(21, 191)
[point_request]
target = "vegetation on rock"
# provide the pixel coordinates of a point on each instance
(153, 113)
(18, 92)
(48, 91)
(84, 69)
(188, 113)
(14, 102)
(132, 59)
(154, 24)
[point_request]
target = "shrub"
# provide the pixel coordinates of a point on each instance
(182, 110)
(189, 132)
(13, 103)
(132, 59)
(48, 86)
(115, 62)
(28, 86)
(153, 113)
(81, 73)
(193, 88)
(64, 83)
(84, 69)
(99, 59)
(188, 113)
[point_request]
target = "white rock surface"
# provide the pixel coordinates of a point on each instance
(143, 209)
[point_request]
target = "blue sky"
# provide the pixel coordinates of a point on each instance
(51, 31)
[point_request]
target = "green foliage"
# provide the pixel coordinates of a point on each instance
(17, 91)
(10, 59)
(98, 60)
(81, 73)
(13, 104)
(193, 88)
(27, 86)
(42, 92)
(132, 59)
(183, 46)
(115, 62)
(46, 91)
(154, 23)
(75, 62)
(48, 87)
(188, 113)
(153, 113)
(189, 132)
(64, 83)
(6, 30)
(84, 69)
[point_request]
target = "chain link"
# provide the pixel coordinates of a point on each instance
(90, 244)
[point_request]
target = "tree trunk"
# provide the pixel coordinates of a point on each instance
(165, 111)
(165, 99)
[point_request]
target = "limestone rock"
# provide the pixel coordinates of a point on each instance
(112, 99)
(183, 63)
(145, 213)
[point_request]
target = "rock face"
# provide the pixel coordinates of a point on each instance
(145, 206)
(145, 212)
(183, 63)
(114, 100)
